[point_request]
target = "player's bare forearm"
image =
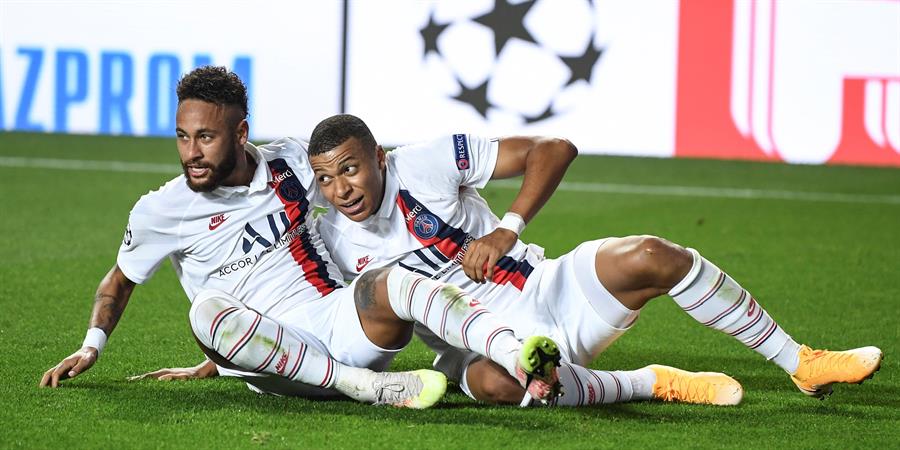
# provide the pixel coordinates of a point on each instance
(543, 162)
(206, 369)
(110, 300)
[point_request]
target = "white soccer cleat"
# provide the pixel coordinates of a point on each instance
(418, 389)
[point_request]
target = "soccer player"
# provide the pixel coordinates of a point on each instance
(417, 207)
(268, 304)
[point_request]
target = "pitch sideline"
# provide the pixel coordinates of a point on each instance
(565, 186)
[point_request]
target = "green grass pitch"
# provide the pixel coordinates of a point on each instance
(826, 267)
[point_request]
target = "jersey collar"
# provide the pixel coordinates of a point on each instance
(259, 182)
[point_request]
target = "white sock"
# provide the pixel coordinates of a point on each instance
(453, 315)
(715, 300)
(582, 386)
(257, 343)
(642, 381)
(788, 358)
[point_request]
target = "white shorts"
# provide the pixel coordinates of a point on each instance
(562, 299)
(331, 326)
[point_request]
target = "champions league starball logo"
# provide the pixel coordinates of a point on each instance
(542, 50)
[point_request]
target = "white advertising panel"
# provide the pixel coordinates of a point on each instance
(599, 73)
(805, 81)
(111, 67)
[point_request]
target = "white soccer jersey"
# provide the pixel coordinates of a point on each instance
(258, 243)
(428, 216)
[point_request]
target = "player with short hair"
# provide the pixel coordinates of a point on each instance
(267, 303)
(418, 207)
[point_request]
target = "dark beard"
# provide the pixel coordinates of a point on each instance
(217, 174)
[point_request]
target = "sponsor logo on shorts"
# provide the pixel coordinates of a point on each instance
(426, 226)
(217, 220)
(361, 263)
(461, 151)
(127, 238)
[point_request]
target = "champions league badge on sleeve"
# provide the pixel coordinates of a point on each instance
(127, 238)
(461, 151)
(426, 226)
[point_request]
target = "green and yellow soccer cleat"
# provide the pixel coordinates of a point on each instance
(536, 367)
(818, 369)
(418, 389)
(708, 388)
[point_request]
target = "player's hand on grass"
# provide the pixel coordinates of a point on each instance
(206, 369)
(70, 367)
(483, 254)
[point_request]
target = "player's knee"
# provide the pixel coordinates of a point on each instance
(658, 262)
(500, 390)
(208, 307)
(371, 289)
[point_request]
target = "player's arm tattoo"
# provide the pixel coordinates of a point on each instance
(110, 300)
(364, 293)
(108, 310)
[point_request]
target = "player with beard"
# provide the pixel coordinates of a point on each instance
(267, 303)
(418, 207)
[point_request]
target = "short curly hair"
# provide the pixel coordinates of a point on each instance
(334, 130)
(213, 84)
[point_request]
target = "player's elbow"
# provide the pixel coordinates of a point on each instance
(562, 149)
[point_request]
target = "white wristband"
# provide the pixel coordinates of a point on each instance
(512, 222)
(95, 338)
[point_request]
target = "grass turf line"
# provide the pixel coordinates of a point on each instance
(825, 271)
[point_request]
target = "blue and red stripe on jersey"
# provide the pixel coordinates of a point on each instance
(449, 241)
(293, 195)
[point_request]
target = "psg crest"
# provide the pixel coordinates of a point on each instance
(291, 190)
(426, 226)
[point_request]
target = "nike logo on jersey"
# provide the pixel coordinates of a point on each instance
(361, 263)
(215, 221)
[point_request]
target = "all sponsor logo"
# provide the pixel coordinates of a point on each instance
(413, 213)
(426, 226)
(281, 177)
(591, 394)
(283, 237)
